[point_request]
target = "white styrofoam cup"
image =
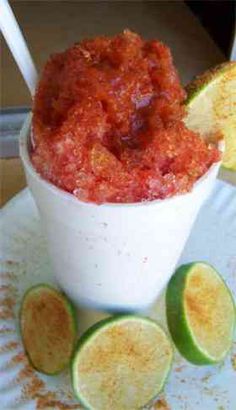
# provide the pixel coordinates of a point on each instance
(116, 257)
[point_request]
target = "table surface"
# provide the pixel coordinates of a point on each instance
(52, 26)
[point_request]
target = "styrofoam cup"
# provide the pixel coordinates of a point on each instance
(113, 256)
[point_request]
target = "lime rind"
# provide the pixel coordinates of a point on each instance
(178, 323)
(71, 312)
(91, 334)
(211, 108)
(201, 82)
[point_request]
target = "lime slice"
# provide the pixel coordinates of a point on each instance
(211, 105)
(48, 327)
(200, 313)
(121, 363)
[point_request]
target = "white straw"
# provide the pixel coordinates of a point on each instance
(17, 44)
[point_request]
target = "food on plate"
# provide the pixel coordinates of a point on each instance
(200, 313)
(48, 327)
(211, 106)
(108, 123)
(121, 363)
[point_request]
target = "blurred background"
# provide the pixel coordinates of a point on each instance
(200, 34)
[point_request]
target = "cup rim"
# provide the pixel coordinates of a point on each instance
(24, 155)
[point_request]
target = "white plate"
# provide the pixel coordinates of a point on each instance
(25, 262)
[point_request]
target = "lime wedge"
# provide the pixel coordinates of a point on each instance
(48, 327)
(200, 313)
(121, 363)
(211, 105)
